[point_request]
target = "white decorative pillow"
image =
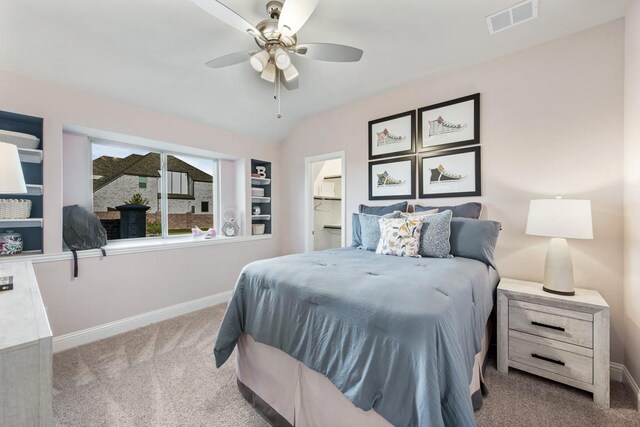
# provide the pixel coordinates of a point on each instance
(400, 236)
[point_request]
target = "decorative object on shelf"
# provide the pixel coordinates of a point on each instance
(257, 229)
(450, 173)
(230, 227)
(392, 179)
(262, 172)
(209, 234)
(559, 219)
(256, 210)
(257, 192)
(19, 139)
(15, 208)
(11, 176)
(449, 124)
(10, 243)
(392, 136)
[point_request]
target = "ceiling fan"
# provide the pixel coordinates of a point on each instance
(277, 40)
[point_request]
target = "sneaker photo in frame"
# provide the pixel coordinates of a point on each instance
(449, 124)
(392, 179)
(392, 136)
(450, 173)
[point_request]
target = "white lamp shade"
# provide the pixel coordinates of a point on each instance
(269, 73)
(282, 59)
(291, 73)
(566, 218)
(11, 177)
(259, 60)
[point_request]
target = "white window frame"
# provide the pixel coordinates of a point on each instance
(164, 194)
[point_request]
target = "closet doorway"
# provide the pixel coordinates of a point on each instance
(325, 207)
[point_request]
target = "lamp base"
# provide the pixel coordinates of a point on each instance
(551, 291)
(558, 268)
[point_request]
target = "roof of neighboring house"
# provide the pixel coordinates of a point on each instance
(112, 168)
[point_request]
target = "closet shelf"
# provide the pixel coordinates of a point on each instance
(260, 217)
(256, 199)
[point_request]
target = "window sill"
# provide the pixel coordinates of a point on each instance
(141, 246)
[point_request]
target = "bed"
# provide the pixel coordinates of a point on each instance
(348, 337)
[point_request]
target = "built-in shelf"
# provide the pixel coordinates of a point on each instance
(32, 190)
(333, 227)
(326, 198)
(23, 253)
(332, 177)
(261, 217)
(260, 181)
(21, 223)
(28, 155)
(256, 199)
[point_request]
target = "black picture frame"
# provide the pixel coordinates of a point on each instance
(477, 191)
(474, 140)
(373, 123)
(410, 178)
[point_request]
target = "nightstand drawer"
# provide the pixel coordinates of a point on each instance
(561, 362)
(568, 326)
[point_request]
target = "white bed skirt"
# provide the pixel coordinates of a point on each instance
(306, 398)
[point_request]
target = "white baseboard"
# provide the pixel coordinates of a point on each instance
(617, 372)
(74, 339)
(621, 374)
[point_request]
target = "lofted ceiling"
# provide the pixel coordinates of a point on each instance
(150, 53)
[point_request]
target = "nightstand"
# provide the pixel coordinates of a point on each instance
(562, 338)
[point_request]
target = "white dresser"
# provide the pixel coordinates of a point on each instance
(25, 351)
(562, 338)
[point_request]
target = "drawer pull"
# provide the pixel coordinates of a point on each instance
(547, 359)
(557, 328)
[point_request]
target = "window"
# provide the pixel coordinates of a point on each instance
(140, 193)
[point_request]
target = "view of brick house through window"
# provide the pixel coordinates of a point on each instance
(128, 194)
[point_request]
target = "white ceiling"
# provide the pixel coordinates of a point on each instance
(151, 53)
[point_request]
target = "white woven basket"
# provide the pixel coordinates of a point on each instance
(15, 208)
(257, 229)
(21, 140)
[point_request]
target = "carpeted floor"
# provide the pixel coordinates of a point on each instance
(164, 375)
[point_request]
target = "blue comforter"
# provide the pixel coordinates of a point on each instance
(398, 335)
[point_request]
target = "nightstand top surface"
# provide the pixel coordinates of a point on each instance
(587, 297)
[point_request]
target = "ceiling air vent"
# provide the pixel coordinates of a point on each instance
(512, 16)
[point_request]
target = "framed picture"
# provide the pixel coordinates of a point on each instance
(392, 136)
(450, 173)
(392, 179)
(449, 124)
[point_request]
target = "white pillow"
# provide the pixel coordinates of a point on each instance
(400, 236)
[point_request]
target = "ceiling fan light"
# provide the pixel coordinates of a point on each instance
(282, 59)
(259, 60)
(291, 73)
(269, 73)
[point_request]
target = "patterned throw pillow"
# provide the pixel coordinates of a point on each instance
(434, 238)
(370, 229)
(399, 236)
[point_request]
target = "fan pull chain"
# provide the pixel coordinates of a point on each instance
(278, 92)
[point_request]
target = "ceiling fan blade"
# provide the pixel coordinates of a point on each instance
(230, 59)
(329, 52)
(227, 16)
(294, 15)
(291, 85)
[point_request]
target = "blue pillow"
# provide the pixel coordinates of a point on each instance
(475, 239)
(370, 229)
(383, 210)
(356, 234)
(465, 210)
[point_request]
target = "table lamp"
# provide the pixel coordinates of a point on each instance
(559, 219)
(11, 177)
